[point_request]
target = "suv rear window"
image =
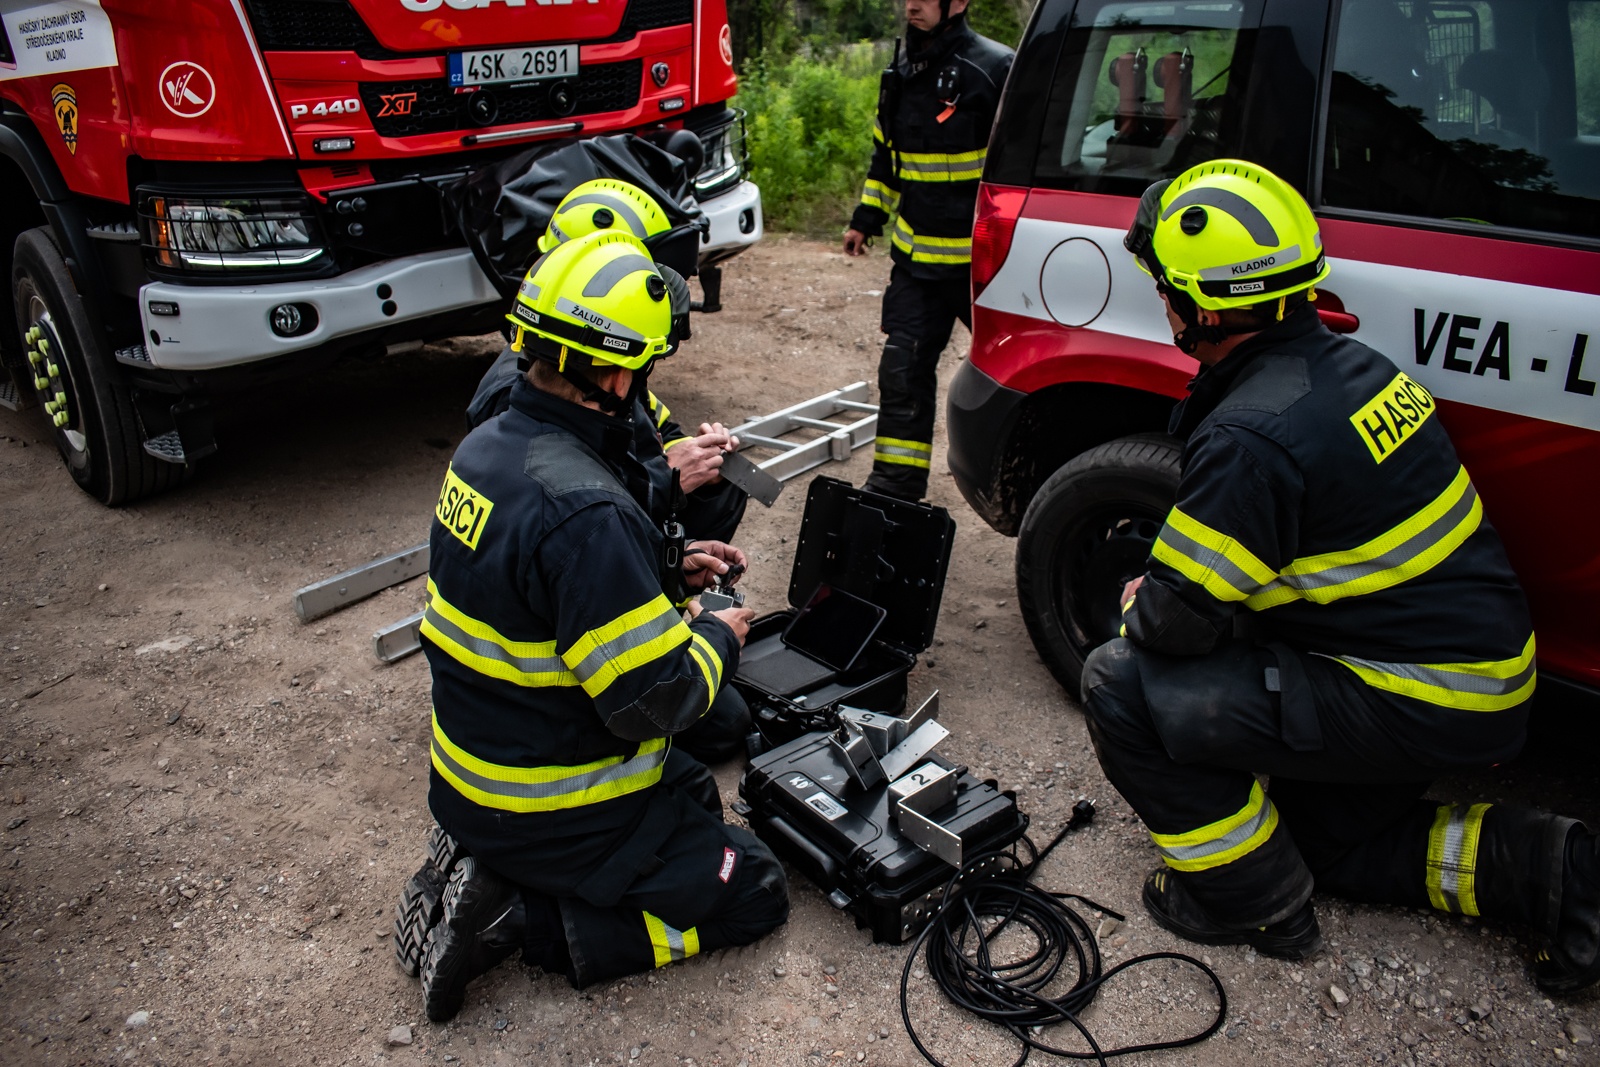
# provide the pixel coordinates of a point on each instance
(1144, 91)
(1476, 112)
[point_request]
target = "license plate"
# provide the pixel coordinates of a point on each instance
(513, 65)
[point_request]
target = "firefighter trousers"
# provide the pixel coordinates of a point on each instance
(1182, 738)
(918, 316)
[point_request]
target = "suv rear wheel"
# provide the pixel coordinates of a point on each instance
(1087, 532)
(86, 400)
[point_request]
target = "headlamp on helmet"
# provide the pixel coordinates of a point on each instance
(605, 205)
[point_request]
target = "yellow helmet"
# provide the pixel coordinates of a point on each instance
(1228, 234)
(604, 204)
(593, 299)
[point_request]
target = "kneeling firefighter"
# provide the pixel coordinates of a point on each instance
(1322, 508)
(714, 506)
(571, 828)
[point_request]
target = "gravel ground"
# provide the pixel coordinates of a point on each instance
(207, 808)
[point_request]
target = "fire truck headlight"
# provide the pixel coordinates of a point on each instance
(237, 233)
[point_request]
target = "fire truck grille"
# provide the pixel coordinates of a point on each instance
(653, 14)
(405, 109)
(313, 26)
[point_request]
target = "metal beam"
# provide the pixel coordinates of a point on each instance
(357, 583)
(399, 639)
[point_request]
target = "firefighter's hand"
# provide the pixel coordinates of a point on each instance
(697, 459)
(737, 619)
(1130, 589)
(855, 242)
(703, 561)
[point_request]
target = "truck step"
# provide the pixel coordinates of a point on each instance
(11, 397)
(167, 447)
(135, 356)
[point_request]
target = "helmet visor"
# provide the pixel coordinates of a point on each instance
(1140, 238)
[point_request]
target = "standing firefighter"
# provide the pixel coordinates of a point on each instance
(571, 829)
(1323, 507)
(935, 107)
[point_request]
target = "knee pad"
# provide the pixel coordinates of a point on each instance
(1113, 664)
(894, 369)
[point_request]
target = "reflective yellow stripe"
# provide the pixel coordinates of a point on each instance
(906, 453)
(941, 166)
(710, 664)
(662, 412)
(1218, 563)
(669, 944)
(923, 249)
(1223, 841)
(877, 194)
(604, 654)
(1453, 858)
(529, 789)
(1229, 571)
(1412, 548)
(877, 132)
(480, 647)
(1493, 685)
(675, 441)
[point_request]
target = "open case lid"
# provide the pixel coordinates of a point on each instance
(887, 551)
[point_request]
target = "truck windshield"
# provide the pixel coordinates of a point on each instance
(1473, 112)
(1143, 91)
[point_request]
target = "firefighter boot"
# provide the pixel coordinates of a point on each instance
(1520, 864)
(483, 924)
(422, 900)
(1572, 962)
(1173, 908)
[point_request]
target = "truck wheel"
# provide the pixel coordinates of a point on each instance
(87, 401)
(1087, 532)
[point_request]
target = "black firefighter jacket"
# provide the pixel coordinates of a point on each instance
(1321, 493)
(932, 131)
(560, 668)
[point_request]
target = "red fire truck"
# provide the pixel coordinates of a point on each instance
(1451, 152)
(202, 193)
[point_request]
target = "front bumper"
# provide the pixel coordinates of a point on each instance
(735, 223)
(229, 325)
(980, 415)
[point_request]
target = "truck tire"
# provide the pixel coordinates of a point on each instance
(85, 396)
(1087, 532)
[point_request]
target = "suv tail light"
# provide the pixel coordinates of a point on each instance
(999, 207)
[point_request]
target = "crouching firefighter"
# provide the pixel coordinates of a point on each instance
(571, 828)
(715, 506)
(936, 104)
(1321, 509)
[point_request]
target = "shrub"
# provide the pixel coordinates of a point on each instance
(810, 130)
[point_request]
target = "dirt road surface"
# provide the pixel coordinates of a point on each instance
(207, 808)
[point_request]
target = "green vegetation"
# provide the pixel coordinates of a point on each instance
(809, 83)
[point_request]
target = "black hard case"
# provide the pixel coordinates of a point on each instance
(889, 552)
(857, 857)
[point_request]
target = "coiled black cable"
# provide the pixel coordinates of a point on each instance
(1011, 993)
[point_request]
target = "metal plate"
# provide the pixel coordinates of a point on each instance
(910, 752)
(751, 478)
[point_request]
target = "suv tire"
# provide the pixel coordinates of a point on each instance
(99, 438)
(1088, 531)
